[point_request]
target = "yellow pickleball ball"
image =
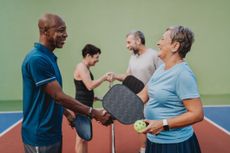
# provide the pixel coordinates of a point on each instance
(139, 125)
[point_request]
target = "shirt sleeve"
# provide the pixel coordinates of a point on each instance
(41, 71)
(186, 86)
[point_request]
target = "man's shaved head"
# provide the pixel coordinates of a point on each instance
(47, 21)
(52, 31)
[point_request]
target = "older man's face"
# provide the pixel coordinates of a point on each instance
(131, 44)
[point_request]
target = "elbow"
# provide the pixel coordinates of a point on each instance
(90, 88)
(58, 97)
(200, 116)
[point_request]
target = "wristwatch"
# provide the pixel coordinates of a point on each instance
(165, 125)
(90, 112)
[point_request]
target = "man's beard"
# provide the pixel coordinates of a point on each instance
(135, 51)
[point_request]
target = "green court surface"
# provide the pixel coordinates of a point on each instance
(16, 105)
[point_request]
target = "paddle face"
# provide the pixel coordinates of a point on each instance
(133, 84)
(83, 126)
(123, 104)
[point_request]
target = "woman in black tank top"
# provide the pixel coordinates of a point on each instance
(82, 94)
(85, 83)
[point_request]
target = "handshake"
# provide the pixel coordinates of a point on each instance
(111, 76)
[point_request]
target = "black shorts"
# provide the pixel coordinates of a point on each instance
(189, 146)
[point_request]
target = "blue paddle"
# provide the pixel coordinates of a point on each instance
(83, 126)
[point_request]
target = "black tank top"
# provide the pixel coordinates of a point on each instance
(82, 94)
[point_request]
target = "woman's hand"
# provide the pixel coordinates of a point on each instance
(153, 127)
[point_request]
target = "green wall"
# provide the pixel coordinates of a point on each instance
(105, 24)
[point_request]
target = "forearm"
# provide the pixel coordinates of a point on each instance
(54, 90)
(72, 104)
(156, 126)
(185, 119)
(96, 83)
(120, 77)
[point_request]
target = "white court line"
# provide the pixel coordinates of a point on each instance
(213, 123)
(218, 126)
(11, 127)
(9, 112)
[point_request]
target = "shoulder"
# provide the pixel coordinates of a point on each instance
(81, 68)
(36, 54)
(152, 52)
(186, 72)
(35, 58)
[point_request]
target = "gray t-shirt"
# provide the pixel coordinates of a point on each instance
(144, 65)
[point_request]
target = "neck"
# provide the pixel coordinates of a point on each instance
(173, 61)
(46, 44)
(86, 63)
(142, 49)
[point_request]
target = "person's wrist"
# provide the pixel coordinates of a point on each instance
(104, 78)
(91, 112)
(165, 125)
(115, 76)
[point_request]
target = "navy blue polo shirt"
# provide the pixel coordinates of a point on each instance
(42, 116)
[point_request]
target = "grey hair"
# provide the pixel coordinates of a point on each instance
(184, 36)
(137, 34)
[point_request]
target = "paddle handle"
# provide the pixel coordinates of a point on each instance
(112, 128)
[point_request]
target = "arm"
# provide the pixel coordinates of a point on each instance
(84, 75)
(55, 91)
(69, 116)
(193, 115)
(121, 77)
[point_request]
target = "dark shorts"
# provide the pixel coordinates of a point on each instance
(189, 146)
(54, 148)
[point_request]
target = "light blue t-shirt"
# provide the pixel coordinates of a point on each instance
(166, 90)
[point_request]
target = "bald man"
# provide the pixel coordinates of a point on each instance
(43, 98)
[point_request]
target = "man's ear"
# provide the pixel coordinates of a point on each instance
(138, 40)
(45, 30)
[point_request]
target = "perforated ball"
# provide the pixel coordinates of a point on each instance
(139, 125)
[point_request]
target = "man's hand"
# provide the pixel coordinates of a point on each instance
(110, 76)
(70, 120)
(102, 116)
(69, 117)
